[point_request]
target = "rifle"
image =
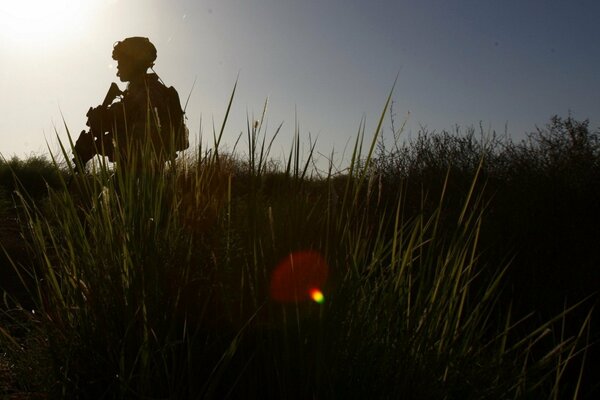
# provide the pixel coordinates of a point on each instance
(90, 141)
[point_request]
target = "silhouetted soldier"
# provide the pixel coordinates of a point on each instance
(141, 127)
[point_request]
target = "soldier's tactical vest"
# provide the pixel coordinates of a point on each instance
(154, 113)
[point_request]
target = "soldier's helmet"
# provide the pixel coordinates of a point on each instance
(136, 49)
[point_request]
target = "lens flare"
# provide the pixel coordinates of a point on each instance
(317, 296)
(297, 276)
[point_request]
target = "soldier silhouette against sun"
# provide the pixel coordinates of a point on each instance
(141, 127)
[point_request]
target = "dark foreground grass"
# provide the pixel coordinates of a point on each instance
(157, 285)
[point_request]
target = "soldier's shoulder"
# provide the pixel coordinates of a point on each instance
(156, 85)
(154, 80)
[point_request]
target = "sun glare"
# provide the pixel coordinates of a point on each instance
(42, 21)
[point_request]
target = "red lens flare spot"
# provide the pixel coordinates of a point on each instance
(298, 277)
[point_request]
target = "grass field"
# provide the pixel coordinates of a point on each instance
(451, 266)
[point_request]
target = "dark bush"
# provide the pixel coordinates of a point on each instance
(543, 195)
(31, 176)
(543, 212)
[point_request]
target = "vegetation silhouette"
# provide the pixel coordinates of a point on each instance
(163, 290)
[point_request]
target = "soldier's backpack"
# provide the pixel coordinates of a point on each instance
(173, 121)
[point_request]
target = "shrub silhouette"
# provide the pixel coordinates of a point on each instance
(543, 209)
(32, 176)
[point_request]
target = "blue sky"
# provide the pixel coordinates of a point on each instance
(326, 63)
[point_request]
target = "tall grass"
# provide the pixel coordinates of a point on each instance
(156, 285)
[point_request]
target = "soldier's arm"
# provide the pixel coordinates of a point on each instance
(84, 150)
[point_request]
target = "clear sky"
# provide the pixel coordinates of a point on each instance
(326, 63)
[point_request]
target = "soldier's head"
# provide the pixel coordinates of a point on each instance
(134, 56)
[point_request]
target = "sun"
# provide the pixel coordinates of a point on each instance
(43, 21)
